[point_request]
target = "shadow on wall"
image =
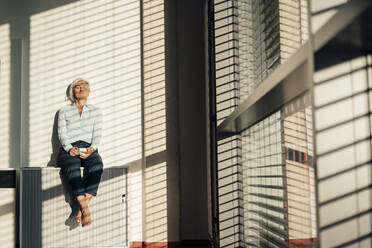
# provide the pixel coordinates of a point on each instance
(56, 144)
(71, 200)
(99, 41)
(342, 99)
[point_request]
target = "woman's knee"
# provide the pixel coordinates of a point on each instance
(64, 159)
(94, 160)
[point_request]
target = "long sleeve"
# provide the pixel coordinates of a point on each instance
(62, 131)
(97, 129)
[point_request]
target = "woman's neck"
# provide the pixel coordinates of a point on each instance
(80, 103)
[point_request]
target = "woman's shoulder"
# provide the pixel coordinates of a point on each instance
(93, 107)
(65, 108)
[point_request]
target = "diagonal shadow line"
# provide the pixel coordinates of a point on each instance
(360, 214)
(229, 211)
(280, 210)
(228, 100)
(228, 159)
(52, 192)
(226, 150)
(225, 68)
(58, 52)
(227, 84)
(321, 204)
(151, 161)
(335, 174)
(236, 182)
(270, 217)
(149, 47)
(357, 240)
(229, 140)
(230, 235)
(237, 174)
(271, 197)
(64, 3)
(226, 42)
(234, 244)
(225, 27)
(363, 68)
(152, 13)
(230, 201)
(227, 108)
(270, 239)
(297, 182)
(296, 194)
(230, 166)
(97, 86)
(266, 186)
(110, 65)
(335, 7)
(95, 63)
(229, 193)
(232, 226)
(237, 216)
(268, 176)
(263, 166)
(270, 228)
(98, 21)
(345, 146)
(156, 84)
(149, 59)
(351, 96)
(152, 6)
(228, 80)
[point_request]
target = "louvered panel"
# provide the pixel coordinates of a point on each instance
(263, 180)
(31, 199)
(258, 49)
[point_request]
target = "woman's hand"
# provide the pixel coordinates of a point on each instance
(84, 155)
(74, 151)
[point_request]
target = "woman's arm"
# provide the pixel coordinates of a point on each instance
(62, 131)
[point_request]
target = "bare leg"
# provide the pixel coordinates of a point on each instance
(86, 220)
(88, 198)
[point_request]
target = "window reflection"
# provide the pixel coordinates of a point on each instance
(268, 33)
(278, 179)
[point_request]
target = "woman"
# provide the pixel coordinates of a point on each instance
(80, 132)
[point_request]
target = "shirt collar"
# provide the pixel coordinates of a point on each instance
(85, 105)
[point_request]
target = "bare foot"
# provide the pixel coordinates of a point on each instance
(84, 210)
(78, 217)
(86, 217)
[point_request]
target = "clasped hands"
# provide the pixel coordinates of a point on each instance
(74, 151)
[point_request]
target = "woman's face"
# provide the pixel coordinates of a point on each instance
(81, 90)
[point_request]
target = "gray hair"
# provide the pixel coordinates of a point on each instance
(70, 89)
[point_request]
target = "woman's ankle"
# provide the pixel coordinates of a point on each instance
(82, 201)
